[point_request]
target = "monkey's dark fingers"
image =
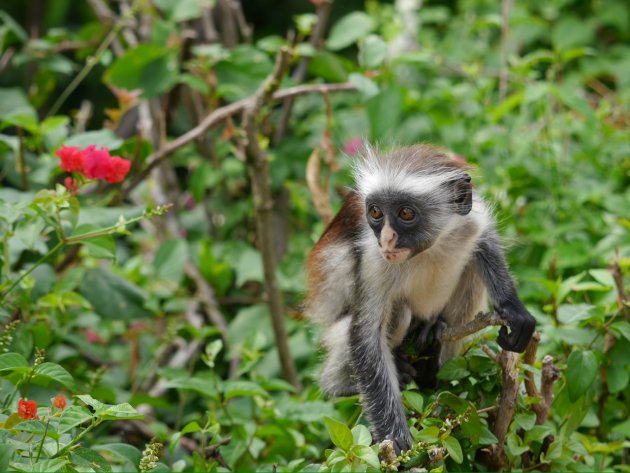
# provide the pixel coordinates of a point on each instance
(518, 338)
(400, 444)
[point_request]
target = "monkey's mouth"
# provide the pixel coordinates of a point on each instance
(396, 256)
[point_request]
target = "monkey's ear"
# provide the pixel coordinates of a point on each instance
(462, 195)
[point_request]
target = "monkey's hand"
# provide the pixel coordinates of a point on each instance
(522, 326)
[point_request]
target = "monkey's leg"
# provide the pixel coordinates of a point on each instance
(336, 378)
(418, 358)
(375, 372)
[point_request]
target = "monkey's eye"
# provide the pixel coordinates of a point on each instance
(406, 214)
(375, 212)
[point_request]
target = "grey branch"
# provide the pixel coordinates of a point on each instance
(481, 321)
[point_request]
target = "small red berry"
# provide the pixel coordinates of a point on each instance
(27, 409)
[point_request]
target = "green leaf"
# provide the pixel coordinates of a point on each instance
(56, 464)
(328, 66)
(429, 434)
(13, 361)
(98, 138)
(170, 260)
(249, 266)
(454, 369)
(6, 453)
(486, 437)
(149, 67)
(623, 428)
(88, 458)
(361, 435)
(190, 428)
(617, 377)
(454, 449)
(413, 400)
(372, 52)
(111, 296)
(367, 454)
(349, 29)
(13, 101)
(621, 328)
(525, 420)
(339, 433)
(200, 385)
(47, 372)
(72, 417)
(515, 445)
(580, 374)
(181, 10)
(367, 87)
(120, 412)
(384, 112)
(242, 388)
(123, 451)
(98, 247)
(93, 403)
(574, 313)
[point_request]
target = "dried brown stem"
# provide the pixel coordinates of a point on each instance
(549, 375)
(258, 166)
(622, 294)
(507, 405)
(481, 321)
(530, 359)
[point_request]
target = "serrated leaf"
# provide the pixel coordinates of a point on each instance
(73, 416)
(13, 361)
(88, 458)
(339, 433)
(581, 372)
(47, 372)
(120, 412)
(454, 449)
(56, 464)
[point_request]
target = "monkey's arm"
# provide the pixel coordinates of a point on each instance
(376, 375)
(493, 269)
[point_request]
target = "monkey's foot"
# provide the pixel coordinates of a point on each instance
(404, 368)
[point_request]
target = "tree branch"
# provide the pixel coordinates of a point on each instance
(216, 117)
(258, 167)
(481, 321)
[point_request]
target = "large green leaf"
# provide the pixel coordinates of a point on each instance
(13, 361)
(242, 388)
(111, 296)
(349, 29)
(151, 68)
(72, 417)
(454, 449)
(170, 260)
(88, 458)
(581, 372)
(339, 432)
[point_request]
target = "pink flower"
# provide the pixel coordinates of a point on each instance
(71, 158)
(92, 336)
(353, 146)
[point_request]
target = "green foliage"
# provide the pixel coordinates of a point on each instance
(142, 311)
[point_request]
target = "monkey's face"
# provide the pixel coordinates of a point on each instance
(403, 227)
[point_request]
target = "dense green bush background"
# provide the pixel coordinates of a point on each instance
(538, 100)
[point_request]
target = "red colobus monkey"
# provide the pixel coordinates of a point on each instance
(412, 244)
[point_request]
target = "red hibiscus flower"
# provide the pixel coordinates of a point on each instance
(118, 169)
(97, 163)
(71, 158)
(27, 409)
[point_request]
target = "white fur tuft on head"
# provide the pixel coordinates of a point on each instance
(409, 171)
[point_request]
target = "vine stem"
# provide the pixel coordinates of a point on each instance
(41, 444)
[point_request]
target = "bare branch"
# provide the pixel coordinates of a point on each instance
(530, 359)
(258, 167)
(481, 321)
(216, 117)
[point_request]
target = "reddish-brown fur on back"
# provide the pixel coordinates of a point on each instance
(345, 226)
